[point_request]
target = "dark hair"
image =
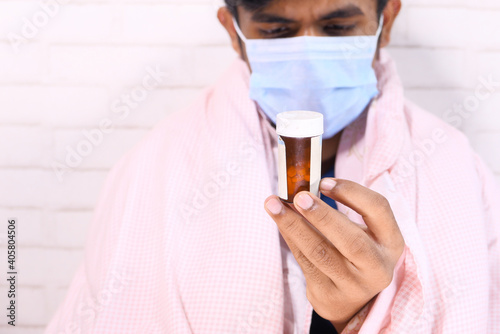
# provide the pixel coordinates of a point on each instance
(253, 5)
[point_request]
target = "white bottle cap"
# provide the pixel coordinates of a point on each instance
(299, 124)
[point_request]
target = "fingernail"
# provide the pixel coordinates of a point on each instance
(304, 201)
(274, 206)
(328, 184)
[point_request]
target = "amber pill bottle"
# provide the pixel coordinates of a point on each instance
(299, 153)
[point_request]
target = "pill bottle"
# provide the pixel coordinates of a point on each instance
(299, 153)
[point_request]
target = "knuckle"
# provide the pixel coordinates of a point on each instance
(322, 216)
(375, 260)
(290, 224)
(400, 245)
(381, 277)
(320, 252)
(357, 244)
(381, 203)
(396, 249)
(363, 288)
(385, 279)
(313, 276)
(323, 255)
(304, 262)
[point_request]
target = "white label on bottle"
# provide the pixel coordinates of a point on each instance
(282, 173)
(316, 152)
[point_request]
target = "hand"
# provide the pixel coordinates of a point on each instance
(345, 264)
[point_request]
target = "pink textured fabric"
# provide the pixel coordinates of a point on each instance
(181, 243)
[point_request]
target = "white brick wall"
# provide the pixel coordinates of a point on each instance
(79, 67)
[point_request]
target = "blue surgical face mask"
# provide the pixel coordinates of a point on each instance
(330, 75)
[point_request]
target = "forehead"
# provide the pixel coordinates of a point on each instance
(315, 9)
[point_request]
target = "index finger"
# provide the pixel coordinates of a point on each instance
(372, 206)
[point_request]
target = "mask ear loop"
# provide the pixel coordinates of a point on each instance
(238, 31)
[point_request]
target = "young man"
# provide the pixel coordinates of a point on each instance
(180, 242)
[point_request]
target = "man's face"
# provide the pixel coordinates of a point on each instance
(290, 18)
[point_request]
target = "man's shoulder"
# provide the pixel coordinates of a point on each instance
(437, 149)
(424, 125)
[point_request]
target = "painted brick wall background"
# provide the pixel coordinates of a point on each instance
(67, 66)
